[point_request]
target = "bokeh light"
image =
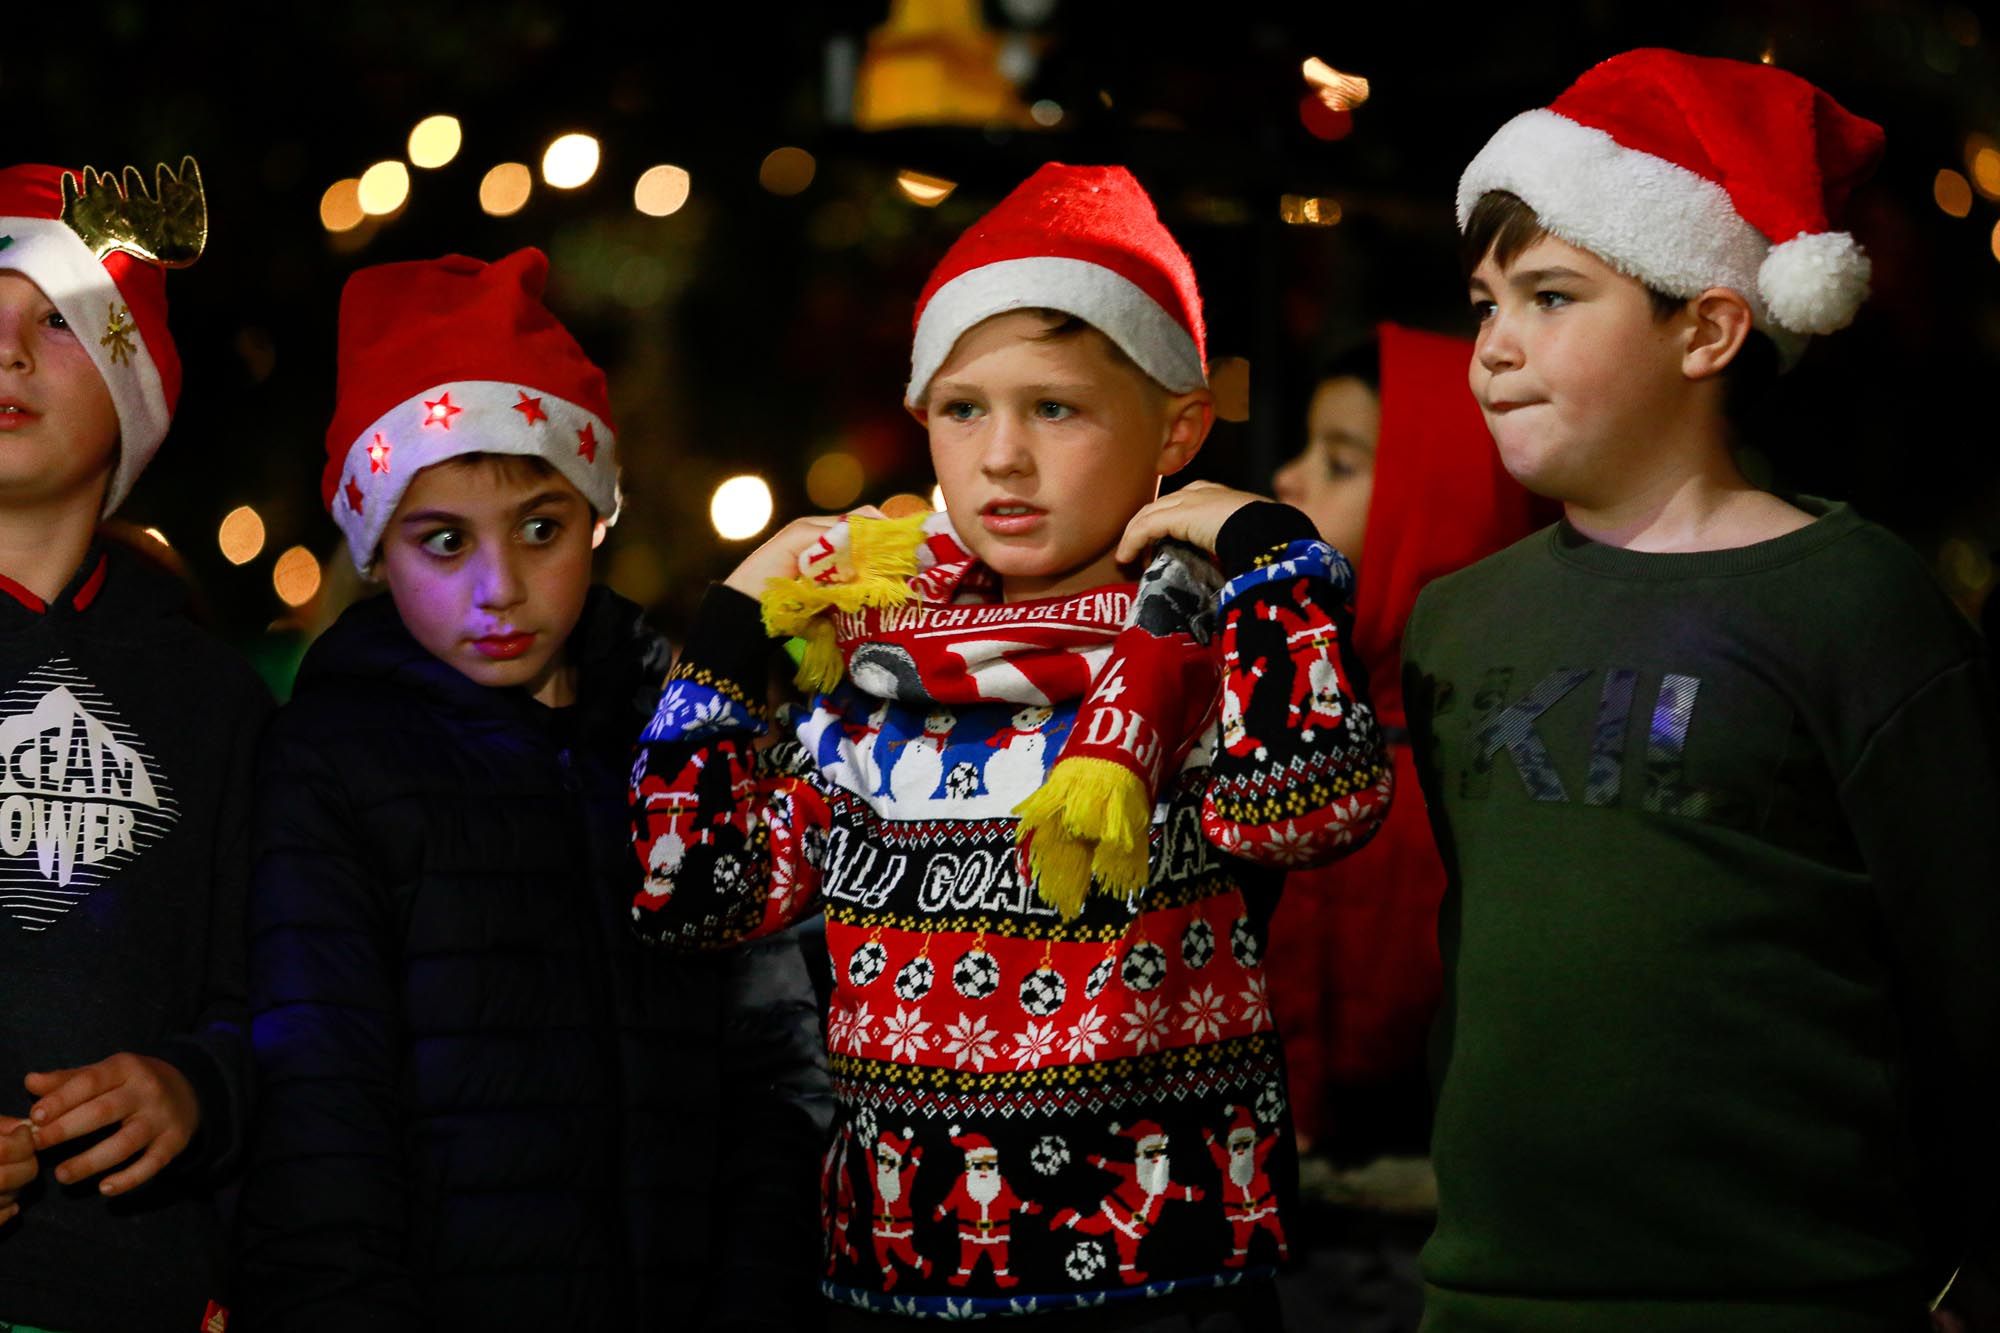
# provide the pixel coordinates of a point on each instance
(296, 576)
(384, 188)
(570, 161)
(435, 141)
(787, 171)
(834, 480)
(741, 508)
(340, 206)
(929, 191)
(661, 191)
(504, 191)
(1952, 192)
(241, 535)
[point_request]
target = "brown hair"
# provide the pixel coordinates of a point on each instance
(1063, 326)
(511, 467)
(1503, 225)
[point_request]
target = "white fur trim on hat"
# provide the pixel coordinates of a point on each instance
(484, 416)
(1670, 228)
(1108, 301)
(55, 259)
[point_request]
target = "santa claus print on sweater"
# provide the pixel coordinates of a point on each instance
(1036, 1070)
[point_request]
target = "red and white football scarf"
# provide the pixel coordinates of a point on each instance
(902, 610)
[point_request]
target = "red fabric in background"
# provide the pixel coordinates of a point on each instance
(1354, 970)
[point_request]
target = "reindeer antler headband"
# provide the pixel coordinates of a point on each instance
(169, 227)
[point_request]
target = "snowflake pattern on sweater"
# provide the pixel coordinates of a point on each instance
(1095, 1058)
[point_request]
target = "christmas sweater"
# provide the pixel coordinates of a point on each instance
(1033, 1114)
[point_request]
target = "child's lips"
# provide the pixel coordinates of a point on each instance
(503, 647)
(14, 414)
(1011, 518)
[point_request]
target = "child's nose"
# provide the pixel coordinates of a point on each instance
(13, 342)
(1497, 348)
(500, 583)
(1006, 450)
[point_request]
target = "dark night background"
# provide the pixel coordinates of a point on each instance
(752, 331)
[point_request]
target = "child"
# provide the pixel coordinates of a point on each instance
(484, 1105)
(126, 737)
(1713, 772)
(1398, 472)
(1057, 1081)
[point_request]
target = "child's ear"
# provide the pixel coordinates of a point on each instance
(1188, 420)
(918, 414)
(597, 531)
(1719, 323)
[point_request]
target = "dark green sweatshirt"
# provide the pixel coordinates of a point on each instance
(1722, 936)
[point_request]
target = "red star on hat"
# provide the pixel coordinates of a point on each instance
(378, 455)
(441, 412)
(586, 442)
(353, 495)
(530, 408)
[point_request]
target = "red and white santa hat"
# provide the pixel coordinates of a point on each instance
(104, 270)
(1242, 1124)
(1083, 240)
(453, 356)
(1143, 1134)
(1690, 172)
(973, 1144)
(897, 1146)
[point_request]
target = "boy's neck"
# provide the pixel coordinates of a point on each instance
(1707, 506)
(1097, 574)
(42, 544)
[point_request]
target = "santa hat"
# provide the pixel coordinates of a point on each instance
(1082, 240)
(971, 1143)
(1689, 172)
(1141, 1134)
(1241, 1124)
(99, 250)
(454, 356)
(897, 1145)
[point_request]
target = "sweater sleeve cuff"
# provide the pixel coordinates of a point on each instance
(1257, 529)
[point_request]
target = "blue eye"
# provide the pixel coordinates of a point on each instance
(1049, 410)
(960, 410)
(445, 542)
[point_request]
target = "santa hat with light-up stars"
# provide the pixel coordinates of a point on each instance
(455, 356)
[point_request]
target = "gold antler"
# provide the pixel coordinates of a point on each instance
(168, 227)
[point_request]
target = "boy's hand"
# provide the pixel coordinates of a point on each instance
(1194, 514)
(17, 1164)
(150, 1096)
(778, 558)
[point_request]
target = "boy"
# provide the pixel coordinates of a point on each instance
(484, 1105)
(127, 735)
(1713, 771)
(1034, 1055)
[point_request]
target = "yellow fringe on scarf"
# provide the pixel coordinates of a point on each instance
(1089, 820)
(884, 554)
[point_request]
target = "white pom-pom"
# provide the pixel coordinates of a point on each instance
(1815, 282)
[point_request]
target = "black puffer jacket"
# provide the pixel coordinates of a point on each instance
(484, 1104)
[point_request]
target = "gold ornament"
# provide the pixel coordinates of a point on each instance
(169, 227)
(118, 331)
